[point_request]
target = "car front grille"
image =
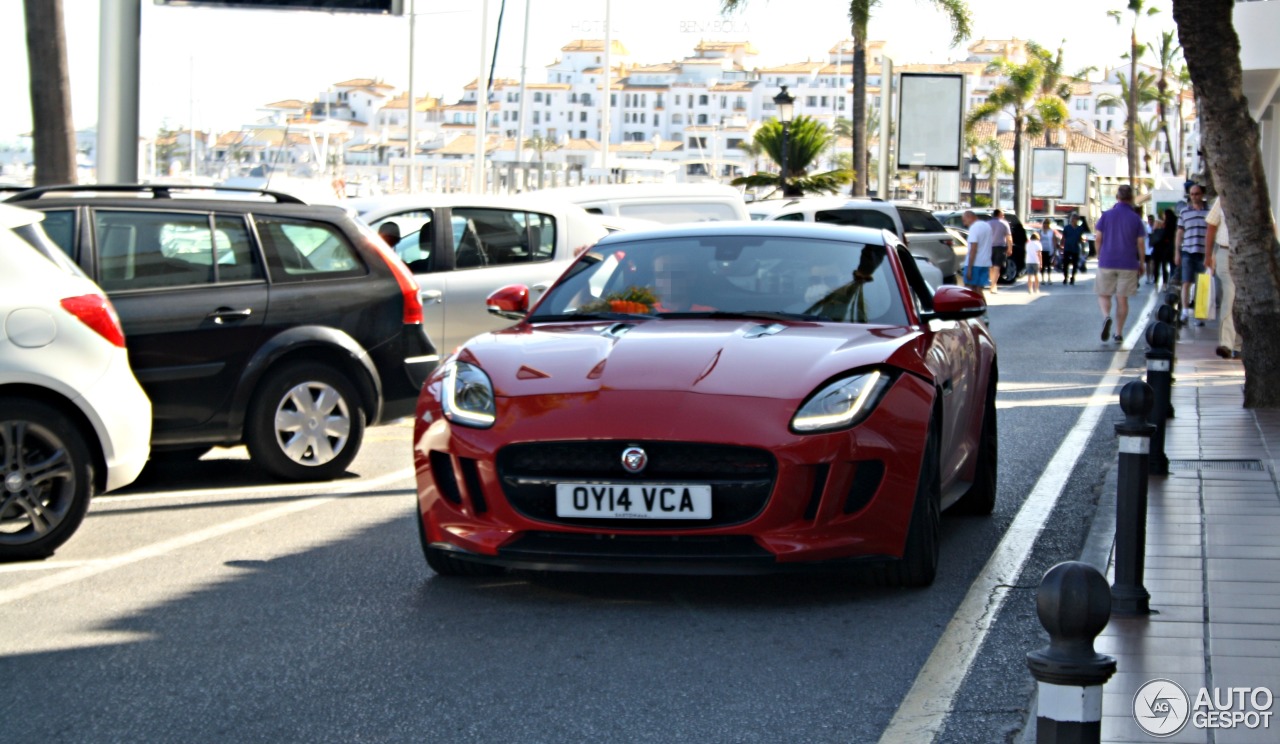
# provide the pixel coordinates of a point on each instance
(741, 478)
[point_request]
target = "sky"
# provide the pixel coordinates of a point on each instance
(226, 63)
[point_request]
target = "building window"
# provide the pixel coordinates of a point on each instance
(677, 119)
(840, 103)
(582, 116)
(811, 101)
(655, 119)
(613, 99)
(537, 96)
(537, 117)
(677, 99)
(724, 102)
(824, 101)
(703, 100)
(702, 118)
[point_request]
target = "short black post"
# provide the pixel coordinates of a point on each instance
(1160, 378)
(1168, 316)
(1074, 604)
(1129, 596)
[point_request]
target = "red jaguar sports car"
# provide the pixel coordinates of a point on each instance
(714, 398)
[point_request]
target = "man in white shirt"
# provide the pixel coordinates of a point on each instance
(977, 272)
(1218, 260)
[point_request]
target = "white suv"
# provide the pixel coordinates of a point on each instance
(73, 420)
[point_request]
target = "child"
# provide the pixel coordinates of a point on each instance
(1033, 262)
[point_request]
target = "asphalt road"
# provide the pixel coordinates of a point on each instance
(206, 603)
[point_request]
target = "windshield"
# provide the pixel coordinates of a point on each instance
(716, 276)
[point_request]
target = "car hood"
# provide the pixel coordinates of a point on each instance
(783, 360)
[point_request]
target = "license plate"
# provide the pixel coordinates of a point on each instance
(633, 501)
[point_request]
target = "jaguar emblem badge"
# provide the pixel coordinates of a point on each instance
(634, 459)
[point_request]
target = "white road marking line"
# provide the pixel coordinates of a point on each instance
(251, 491)
(90, 569)
(924, 710)
(42, 566)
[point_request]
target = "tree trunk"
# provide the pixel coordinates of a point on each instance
(1017, 173)
(1230, 139)
(1163, 86)
(859, 111)
(1132, 118)
(52, 132)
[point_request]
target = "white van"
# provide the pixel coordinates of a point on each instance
(669, 203)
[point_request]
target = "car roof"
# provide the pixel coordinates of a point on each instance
(184, 204)
(809, 230)
(767, 206)
(641, 190)
(377, 204)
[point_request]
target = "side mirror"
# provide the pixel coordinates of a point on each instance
(511, 302)
(957, 303)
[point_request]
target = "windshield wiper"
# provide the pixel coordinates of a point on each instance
(748, 314)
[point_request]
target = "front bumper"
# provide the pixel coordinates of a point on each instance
(833, 497)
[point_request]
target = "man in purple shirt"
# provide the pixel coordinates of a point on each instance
(1122, 242)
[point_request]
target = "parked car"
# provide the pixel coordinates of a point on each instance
(491, 241)
(251, 317)
(73, 420)
(1010, 272)
(923, 235)
(717, 397)
(668, 203)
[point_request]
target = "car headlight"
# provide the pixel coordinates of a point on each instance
(842, 403)
(468, 396)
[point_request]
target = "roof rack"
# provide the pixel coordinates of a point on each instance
(157, 191)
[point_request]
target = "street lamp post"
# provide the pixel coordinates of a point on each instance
(973, 163)
(786, 108)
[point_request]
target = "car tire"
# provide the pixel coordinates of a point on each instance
(34, 434)
(447, 565)
(980, 499)
(919, 563)
(306, 422)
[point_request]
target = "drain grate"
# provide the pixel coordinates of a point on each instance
(1216, 465)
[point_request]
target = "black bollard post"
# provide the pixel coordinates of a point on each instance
(1129, 596)
(1160, 378)
(1074, 605)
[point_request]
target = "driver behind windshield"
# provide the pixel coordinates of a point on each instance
(675, 278)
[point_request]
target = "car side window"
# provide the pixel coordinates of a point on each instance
(301, 250)
(417, 237)
(499, 237)
(793, 217)
(235, 257)
(857, 218)
(147, 250)
(921, 292)
(60, 226)
(919, 221)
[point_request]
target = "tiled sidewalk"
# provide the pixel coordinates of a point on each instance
(1212, 558)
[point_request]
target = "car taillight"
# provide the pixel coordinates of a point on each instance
(947, 242)
(408, 285)
(95, 311)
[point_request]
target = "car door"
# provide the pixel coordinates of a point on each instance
(950, 357)
(491, 248)
(191, 293)
(419, 248)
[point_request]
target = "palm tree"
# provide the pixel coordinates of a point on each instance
(1147, 136)
(807, 138)
(1055, 81)
(1143, 93)
(1019, 96)
(957, 12)
(541, 145)
(1138, 8)
(991, 161)
(1166, 51)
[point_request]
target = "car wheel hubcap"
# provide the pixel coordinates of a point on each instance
(312, 423)
(39, 482)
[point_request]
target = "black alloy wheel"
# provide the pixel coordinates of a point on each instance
(47, 479)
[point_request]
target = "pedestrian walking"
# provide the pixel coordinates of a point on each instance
(1072, 242)
(1167, 230)
(977, 273)
(1218, 260)
(1122, 241)
(1151, 249)
(1001, 246)
(1050, 243)
(1033, 253)
(1189, 256)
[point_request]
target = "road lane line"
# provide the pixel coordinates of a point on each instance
(72, 575)
(924, 710)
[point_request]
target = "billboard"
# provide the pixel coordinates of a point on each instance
(1077, 190)
(930, 121)
(384, 7)
(1004, 194)
(1048, 172)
